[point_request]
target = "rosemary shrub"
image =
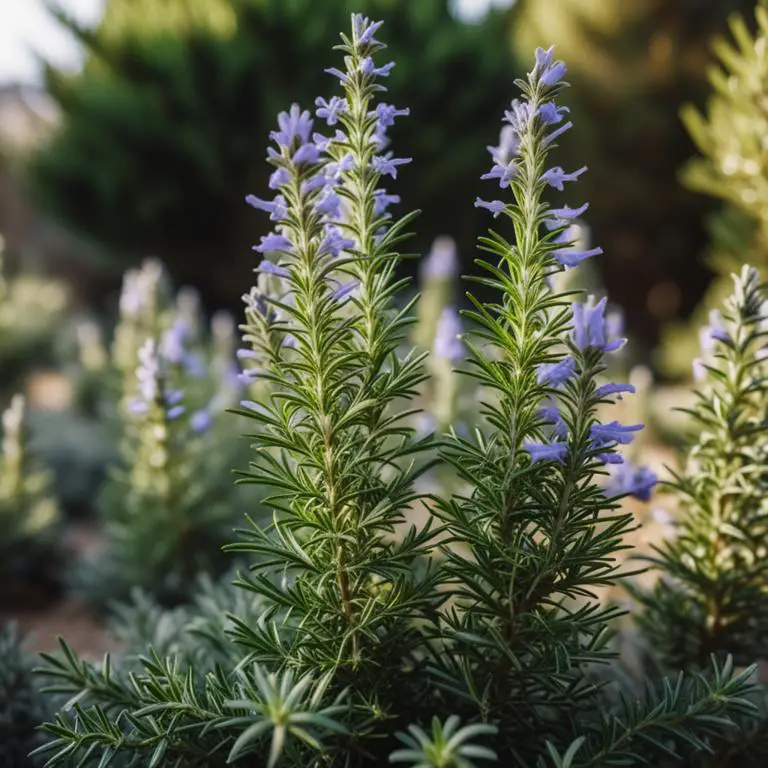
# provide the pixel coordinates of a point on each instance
(362, 636)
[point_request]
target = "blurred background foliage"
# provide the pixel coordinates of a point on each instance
(164, 131)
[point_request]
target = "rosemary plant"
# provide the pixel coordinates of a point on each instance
(366, 638)
(170, 505)
(712, 598)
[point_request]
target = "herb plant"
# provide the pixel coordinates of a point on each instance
(170, 504)
(391, 626)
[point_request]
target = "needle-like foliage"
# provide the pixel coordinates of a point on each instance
(372, 637)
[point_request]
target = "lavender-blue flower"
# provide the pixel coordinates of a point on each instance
(331, 110)
(550, 113)
(632, 480)
(589, 327)
(555, 451)
(272, 243)
(382, 201)
(329, 204)
(365, 29)
(496, 207)
(270, 268)
(556, 177)
(367, 67)
(293, 124)
(387, 165)
(556, 374)
(607, 390)
(613, 432)
(334, 242)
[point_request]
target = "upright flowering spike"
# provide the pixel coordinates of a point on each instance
(533, 475)
(322, 335)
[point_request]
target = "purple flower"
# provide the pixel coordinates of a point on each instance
(315, 182)
(278, 178)
(342, 77)
(293, 124)
(345, 290)
(307, 154)
(386, 113)
(556, 177)
(195, 365)
(174, 397)
(551, 414)
(607, 390)
(334, 242)
(201, 421)
(270, 268)
(629, 480)
(716, 327)
(247, 354)
(365, 29)
(382, 201)
(134, 294)
(505, 172)
(387, 166)
(549, 138)
(137, 407)
(442, 262)
(572, 257)
(323, 142)
(248, 375)
(589, 327)
(610, 458)
(276, 208)
(555, 374)
(367, 67)
(551, 114)
(447, 344)
(496, 207)
(148, 371)
(555, 451)
(518, 116)
(330, 110)
(173, 413)
(612, 432)
(335, 170)
(561, 216)
(329, 204)
(273, 242)
(547, 71)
